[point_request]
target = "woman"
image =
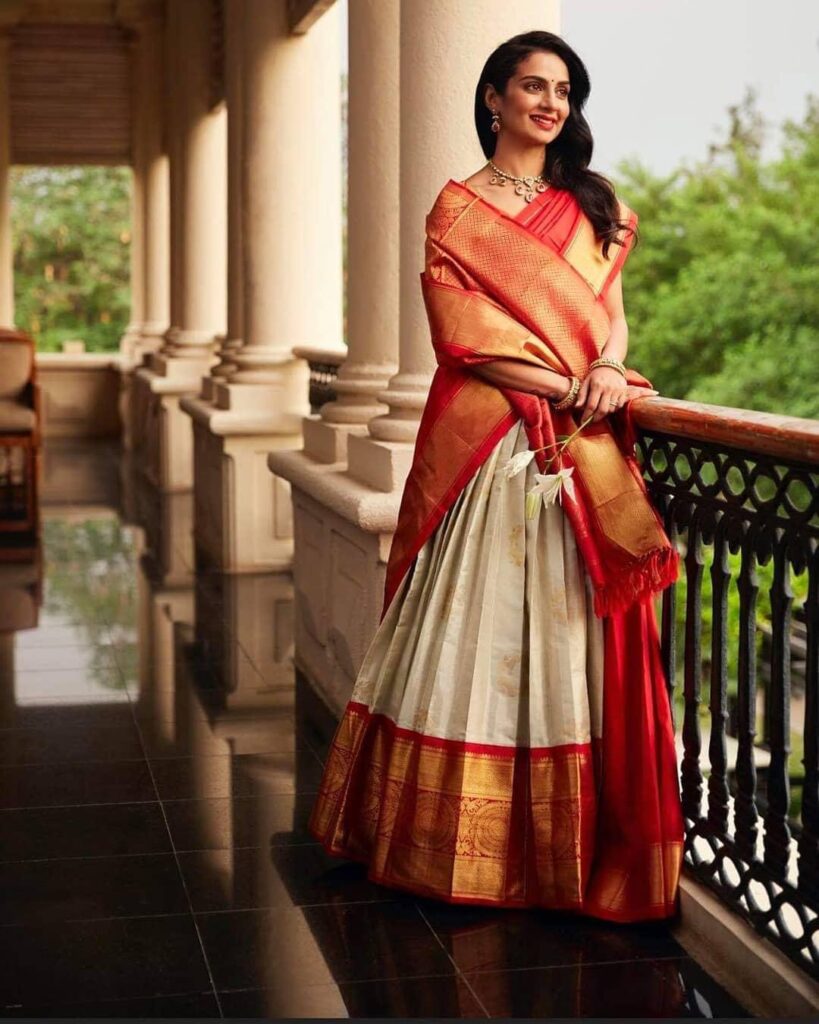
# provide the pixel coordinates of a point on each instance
(508, 740)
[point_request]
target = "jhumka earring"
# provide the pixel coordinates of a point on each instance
(495, 126)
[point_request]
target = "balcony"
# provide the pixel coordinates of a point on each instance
(217, 502)
(161, 751)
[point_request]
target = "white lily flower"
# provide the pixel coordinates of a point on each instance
(517, 463)
(550, 486)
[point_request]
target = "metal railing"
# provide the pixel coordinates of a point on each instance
(324, 364)
(738, 494)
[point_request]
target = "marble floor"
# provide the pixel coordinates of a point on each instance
(158, 760)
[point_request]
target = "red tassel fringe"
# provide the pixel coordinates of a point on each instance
(651, 575)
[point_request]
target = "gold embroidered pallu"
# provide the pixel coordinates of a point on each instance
(494, 290)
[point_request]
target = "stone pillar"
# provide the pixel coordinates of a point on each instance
(9, 14)
(155, 172)
(373, 200)
(345, 514)
(133, 330)
(198, 154)
(233, 28)
(292, 286)
(150, 230)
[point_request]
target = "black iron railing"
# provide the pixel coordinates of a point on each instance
(739, 494)
(324, 364)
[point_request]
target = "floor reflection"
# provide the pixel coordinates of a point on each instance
(158, 761)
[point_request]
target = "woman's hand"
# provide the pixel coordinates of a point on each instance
(605, 390)
(638, 391)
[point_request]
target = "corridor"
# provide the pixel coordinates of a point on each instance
(158, 763)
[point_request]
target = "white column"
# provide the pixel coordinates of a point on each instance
(373, 201)
(149, 217)
(8, 16)
(291, 195)
(234, 33)
(133, 331)
(176, 143)
(155, 172)
(292, 285)
(202, 194)
(198, 154)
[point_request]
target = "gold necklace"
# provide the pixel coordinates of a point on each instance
(525, 186)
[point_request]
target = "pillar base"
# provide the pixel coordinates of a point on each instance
(342, 537)
(244, 634)
(243, 518)
(162, 439)
(327, 442)
(167, 520)
(382, 465)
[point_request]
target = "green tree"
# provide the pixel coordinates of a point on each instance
(72, 234)
(723, 288)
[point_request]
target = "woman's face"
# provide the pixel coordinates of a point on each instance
(536, 103)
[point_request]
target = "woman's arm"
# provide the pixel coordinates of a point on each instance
(523, 377)
(550, 384)
(604, 385)
(617, 344)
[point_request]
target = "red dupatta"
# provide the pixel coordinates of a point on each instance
(530, 288)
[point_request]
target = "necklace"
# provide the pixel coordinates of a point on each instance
(525, 186)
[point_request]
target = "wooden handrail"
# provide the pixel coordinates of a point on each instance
(784, 437)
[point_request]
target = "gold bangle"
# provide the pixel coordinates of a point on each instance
(570, 395)
(608, 361)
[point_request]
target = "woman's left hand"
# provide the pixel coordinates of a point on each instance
(603, 390)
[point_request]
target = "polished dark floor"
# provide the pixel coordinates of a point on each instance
(158, 761)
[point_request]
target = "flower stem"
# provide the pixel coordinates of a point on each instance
(563, 444)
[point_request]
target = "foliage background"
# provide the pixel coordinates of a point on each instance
(722, 290)
(72, 237)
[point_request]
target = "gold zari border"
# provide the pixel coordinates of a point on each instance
(465, 823)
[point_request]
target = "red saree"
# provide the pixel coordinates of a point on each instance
(593, 826)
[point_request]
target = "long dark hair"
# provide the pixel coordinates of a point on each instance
(567, 159)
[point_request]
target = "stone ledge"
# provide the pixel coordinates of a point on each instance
(238, 422)
(168, 385)
(760, 977)
(80, 361)
(330, 485)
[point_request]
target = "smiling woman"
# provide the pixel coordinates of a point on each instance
(509, 740)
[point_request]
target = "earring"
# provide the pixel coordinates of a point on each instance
(495, 126)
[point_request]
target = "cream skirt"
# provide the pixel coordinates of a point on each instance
(463, 766)
(491, 637)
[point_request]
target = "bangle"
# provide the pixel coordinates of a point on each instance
(570, 395)
(608, 361)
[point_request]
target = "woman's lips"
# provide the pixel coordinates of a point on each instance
(546, 123)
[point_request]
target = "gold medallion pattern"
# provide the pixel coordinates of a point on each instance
(510, 826)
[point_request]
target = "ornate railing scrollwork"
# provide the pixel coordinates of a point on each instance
(739, 494)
